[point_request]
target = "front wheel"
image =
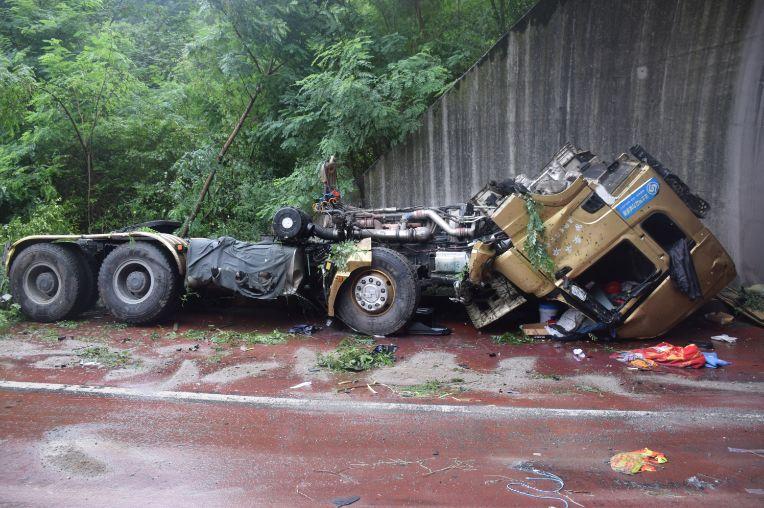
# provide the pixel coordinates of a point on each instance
(382, 298)
(138, 283)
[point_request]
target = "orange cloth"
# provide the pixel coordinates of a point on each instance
(637, 461)
(674, 356)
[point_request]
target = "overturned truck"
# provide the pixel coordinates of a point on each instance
(620, 243)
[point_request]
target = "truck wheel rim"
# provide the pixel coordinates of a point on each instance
(374, 292)
(42, 283)
(133, 281)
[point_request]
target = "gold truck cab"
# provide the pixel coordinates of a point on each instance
(609, 231)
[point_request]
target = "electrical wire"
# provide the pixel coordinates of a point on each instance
(531, 491)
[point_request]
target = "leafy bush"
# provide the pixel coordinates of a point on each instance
(535, 242)
(340, 253)
(46, 218)
(433, 388)
(235, 338)
(10, 316)
(105, 356)
(355, 354)
(516, 338)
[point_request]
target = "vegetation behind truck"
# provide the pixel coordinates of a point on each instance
(574, 232)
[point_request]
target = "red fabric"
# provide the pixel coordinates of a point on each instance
(613, 287)
(674, 356)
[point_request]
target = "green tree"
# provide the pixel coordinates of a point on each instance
(115, 111)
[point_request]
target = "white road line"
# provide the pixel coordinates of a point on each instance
(328, 405)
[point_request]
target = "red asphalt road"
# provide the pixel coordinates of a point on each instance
(64, 449)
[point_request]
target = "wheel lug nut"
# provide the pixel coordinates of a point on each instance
(379, 283)
(383, 290)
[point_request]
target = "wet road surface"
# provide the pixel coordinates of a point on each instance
(224, 424)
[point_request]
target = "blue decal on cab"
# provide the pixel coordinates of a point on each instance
(639, 198)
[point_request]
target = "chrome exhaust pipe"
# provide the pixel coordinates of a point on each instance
(468, 232)
(420, 234)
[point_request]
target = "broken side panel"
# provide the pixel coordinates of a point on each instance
(262, 271)
(497, 298)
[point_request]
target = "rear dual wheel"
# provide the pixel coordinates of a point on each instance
(52, 281)
(138, 283)
(380, 299)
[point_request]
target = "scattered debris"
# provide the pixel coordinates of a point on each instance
(516, 338)
(547, 311)
(757, 452)
(345, 501)
(304, 329)
(579, 354)
(195, 334)
(535, 331)
(301, 385)
(713, 361)
(527, 488)
(71, 325)
(236, 338)
(103, 356)
(665, 354)
(417, 328)
(433, 388)
(724, 338)
(349, 386)
(571, 325)
(720, 318)
(384, 348)
(642, 364)
(694, 481)
(354, 354)
(747, 301)
(569, 321)
(637, 461)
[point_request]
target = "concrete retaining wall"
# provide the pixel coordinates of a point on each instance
(684, 78)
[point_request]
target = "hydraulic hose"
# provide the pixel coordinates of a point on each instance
(326, 233)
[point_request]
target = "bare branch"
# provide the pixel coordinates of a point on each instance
(68, 114)
(239, 36)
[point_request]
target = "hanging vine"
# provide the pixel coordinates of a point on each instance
(535, 248)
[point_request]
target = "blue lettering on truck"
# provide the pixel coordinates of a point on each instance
(637, 199)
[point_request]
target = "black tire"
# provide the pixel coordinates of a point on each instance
(138, 283)
(88, 291)
(46, 281)
(363, 291)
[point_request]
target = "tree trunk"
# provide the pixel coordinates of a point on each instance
(499, 15)
(419, 17)
(89, 167)
(219, 160)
